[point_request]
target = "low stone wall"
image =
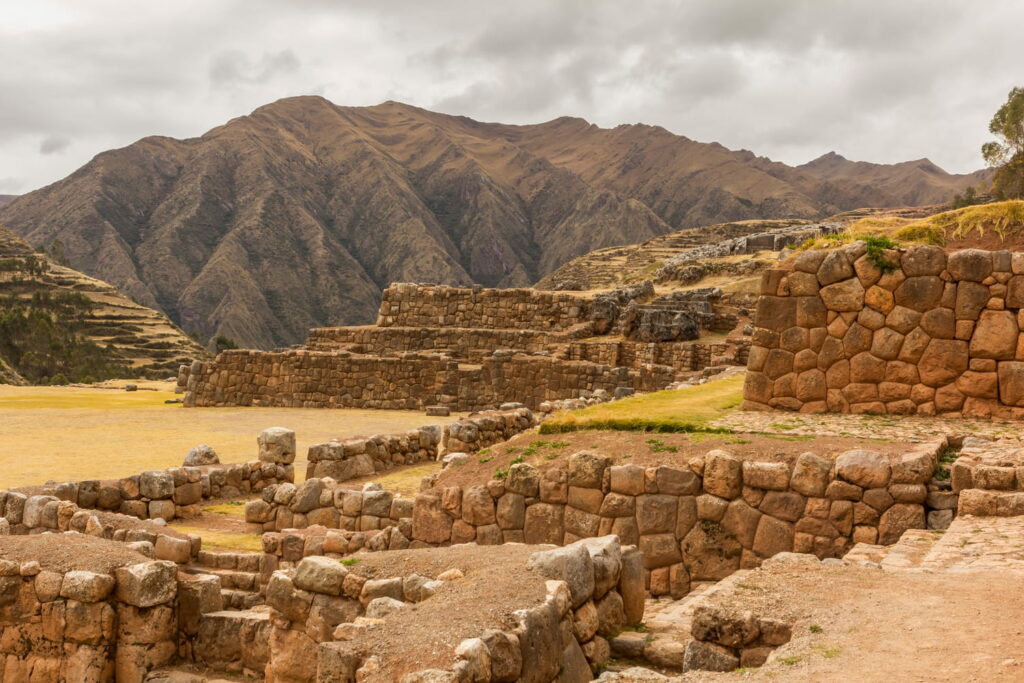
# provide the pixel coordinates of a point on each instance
(86, 626)
(346, 459)
(470, 434)
(174, 492)
(595, 589)
(935, 334)
(309, 379)
(26, 515)
(700, 523)
(413, 305)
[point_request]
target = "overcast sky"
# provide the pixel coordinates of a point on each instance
(875, 80)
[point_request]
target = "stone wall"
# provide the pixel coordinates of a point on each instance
(937, 334)
(594, 589)
(463, 343)
(700, 523)
(71, 626)
(310, 379)
(174, 492)
(22, 515)
(412, 305)
(470, 434)
(362, 456)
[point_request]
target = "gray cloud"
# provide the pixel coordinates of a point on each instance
(54, 144)
(234, 67)
(788, 79)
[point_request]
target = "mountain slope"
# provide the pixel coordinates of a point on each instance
(57, 321)
(300, 213)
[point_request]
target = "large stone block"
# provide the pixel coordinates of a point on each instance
(147, 584)
(943, 361)
(276, 444)
(995, 336)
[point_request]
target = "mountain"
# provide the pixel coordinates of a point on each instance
(58, 321)
(300, 213)
(7, 198)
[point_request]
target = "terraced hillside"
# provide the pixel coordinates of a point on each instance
(617, 266)
(57, 321)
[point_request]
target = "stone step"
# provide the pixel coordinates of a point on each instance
(229, 578)
(907, 553)
(667, 625)
(991, 503)
(235, 599)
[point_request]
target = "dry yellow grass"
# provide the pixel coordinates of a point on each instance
(70, 433)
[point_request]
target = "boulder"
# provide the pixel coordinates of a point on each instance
(85, 586)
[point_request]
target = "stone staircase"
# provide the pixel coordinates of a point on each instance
(239, 575)
(663, 641)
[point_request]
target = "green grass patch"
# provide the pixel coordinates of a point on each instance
(672, 411)
(349, 561)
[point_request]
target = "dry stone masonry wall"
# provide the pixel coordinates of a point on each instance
(70, 626)
(936, 333)
(701, 523)
(474, 349)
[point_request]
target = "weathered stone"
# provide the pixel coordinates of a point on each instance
(572, 564)
(147, 584)
(544, 523)
(943, 361)
(156, 484)
(898, 519)
(85, 586)
(973, 265)
(702, 656)
(995, 336)
(843, 296)
(201, 455)
(276, 445)
(320, 575)
(921, 293)
(723, 474)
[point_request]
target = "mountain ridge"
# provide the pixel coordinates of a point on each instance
(299, 214)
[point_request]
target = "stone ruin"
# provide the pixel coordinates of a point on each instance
(353, 580)
(932, 334)
(474, 349)
(307, 609)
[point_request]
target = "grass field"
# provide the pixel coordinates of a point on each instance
(69, 433)
(681, 410)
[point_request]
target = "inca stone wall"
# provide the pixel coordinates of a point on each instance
(174, 492)
(310, 379)
(938, 334)
(701, 523)
(85, 625)
(412, 305)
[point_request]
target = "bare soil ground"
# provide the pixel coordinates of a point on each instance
(74, 433)
(424, 635)
(64, 552)
(872, 625)
(648, 450)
